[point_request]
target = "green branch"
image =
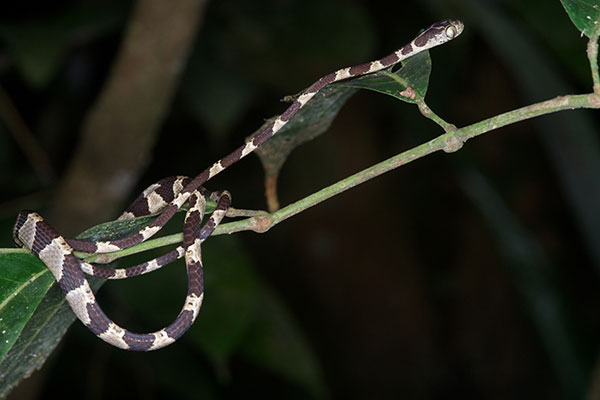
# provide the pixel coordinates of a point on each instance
(592, 53)
(428, 113)
(448, 142)
(413, 97)
(452, 140)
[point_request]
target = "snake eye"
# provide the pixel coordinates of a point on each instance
(451, 32)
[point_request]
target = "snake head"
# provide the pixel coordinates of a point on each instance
(452, 28)
(438, 33)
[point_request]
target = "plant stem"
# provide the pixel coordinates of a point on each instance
(428, 113)
(560, 103)
(420, 102)
(592, 53)
(448, 142)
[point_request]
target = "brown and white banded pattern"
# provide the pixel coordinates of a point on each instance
(33, 232)
(136, 209)
(166, 197)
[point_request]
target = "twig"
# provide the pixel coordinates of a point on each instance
(238, 212)
(428, 113)
(420, 102)
(271, 192)
(592, 53)
(448, 142)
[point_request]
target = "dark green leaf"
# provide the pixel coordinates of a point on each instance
(585, 14)
(42, 329)
(24, 280)
(408, 84)
(311, 121)
(116, 229)
(121, 228)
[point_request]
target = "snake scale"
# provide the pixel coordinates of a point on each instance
(166, 197)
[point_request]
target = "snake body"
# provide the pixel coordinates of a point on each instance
(167, 197)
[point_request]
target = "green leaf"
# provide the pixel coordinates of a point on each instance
(121, 228)
(116, 229)
(24, 280)
(408, 84)
(585, 14)
(34, 321)
(311, 121)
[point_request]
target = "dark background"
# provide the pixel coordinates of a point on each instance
(471, 275)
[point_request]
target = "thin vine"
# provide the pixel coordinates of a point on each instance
(592, 53)
(262, 221)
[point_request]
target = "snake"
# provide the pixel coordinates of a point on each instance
(164, 199)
